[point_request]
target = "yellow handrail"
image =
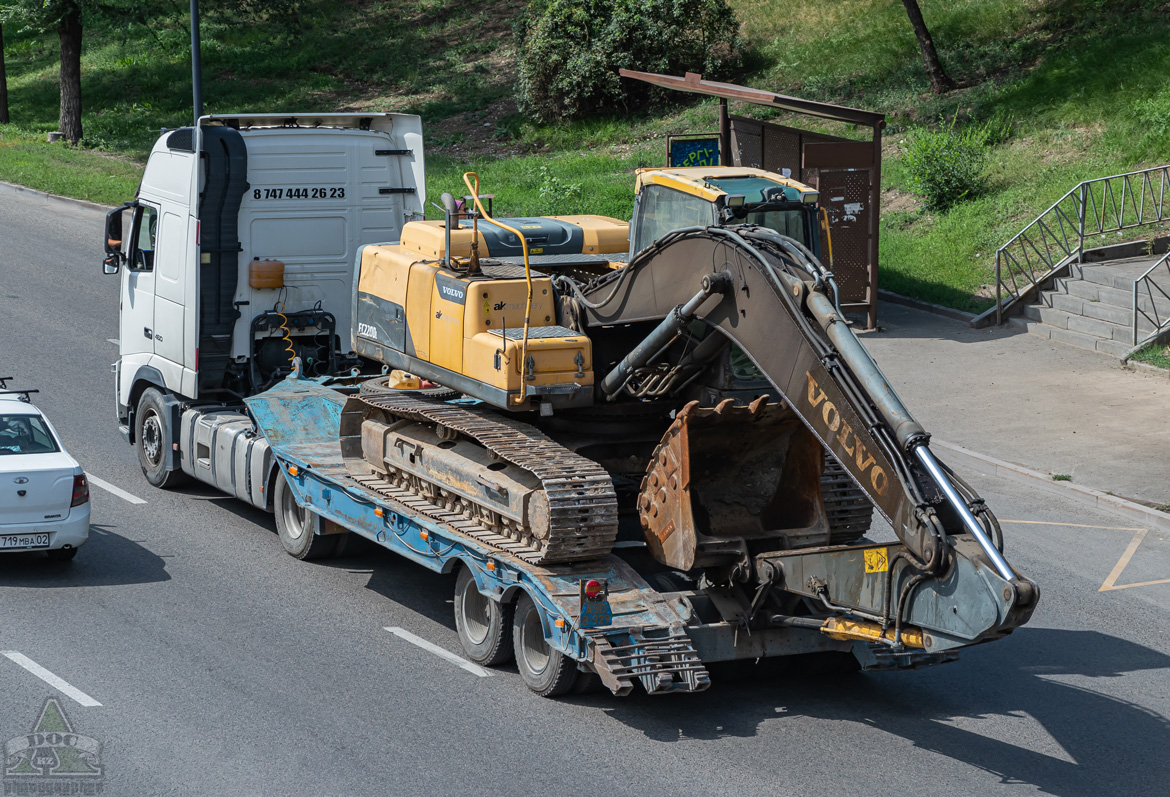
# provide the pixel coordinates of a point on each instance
(527, 275)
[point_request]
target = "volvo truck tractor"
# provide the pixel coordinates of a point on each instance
(641, 448)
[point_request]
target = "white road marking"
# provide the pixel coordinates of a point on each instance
(447, 655)
(109, 488)
(60, 684)
(115, 341)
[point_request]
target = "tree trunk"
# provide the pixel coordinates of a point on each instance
(939, 81)
(69, 32)
(3, 84)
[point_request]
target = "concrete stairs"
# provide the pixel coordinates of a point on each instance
(1093, 307)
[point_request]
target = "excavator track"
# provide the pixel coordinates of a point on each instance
(847, 507)
(582, 503)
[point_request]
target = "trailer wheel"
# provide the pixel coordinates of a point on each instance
(294, 525)
(545, 671)
(153, 443)
(483, 624)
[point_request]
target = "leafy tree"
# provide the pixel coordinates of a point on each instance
(940, 82)
(570, 51)
(65, 18)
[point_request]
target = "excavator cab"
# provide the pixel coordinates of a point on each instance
(698, 196)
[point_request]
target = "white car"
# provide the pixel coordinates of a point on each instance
(44, 495)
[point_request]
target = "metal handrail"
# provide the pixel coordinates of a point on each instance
(1155, 319)
(1051, 240)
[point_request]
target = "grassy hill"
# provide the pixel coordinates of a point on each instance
(1084, 80)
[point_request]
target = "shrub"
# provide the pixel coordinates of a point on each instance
(948, 165)
(570, 51)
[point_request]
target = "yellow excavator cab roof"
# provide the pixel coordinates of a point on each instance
(711, 182)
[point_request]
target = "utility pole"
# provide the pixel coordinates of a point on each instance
(196, 66)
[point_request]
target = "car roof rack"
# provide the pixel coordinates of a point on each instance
(24, 394)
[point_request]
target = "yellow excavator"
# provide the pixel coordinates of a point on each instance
(684, 386)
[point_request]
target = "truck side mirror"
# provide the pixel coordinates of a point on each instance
(114, 254)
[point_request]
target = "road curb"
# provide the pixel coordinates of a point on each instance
(957, 455)
(918, 304)
(13, 188)
(1147, 368)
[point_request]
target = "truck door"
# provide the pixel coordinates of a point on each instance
(170, 253)
(136, 326)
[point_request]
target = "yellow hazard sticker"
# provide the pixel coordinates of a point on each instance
(877, 560)
(487, 307)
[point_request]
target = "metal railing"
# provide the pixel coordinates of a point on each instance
(1056, 237)
(1155, 316)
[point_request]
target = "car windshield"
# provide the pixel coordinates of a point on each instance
(25, 434)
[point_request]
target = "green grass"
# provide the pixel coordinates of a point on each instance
(1087, 81)
(1156, 354)
(65, 171)
(604, 183)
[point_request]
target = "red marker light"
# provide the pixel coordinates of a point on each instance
(592, 587)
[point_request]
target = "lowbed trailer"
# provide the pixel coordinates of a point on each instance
(641, 447)
(631, 631)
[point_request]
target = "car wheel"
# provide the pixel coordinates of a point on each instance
(545, 670)
(61, 554)
(483, 624)
(153, 442)
(295, 526)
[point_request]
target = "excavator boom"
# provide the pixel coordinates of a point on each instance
(777, 305)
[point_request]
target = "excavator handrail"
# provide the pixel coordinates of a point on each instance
(527, 276)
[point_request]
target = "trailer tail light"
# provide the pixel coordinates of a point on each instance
(595, 609)
(198, 232)
(80, 490)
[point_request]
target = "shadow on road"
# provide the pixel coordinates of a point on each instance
(106, 559)
(897, 321)
(1100, 744)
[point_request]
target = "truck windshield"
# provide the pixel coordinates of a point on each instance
(25, 434)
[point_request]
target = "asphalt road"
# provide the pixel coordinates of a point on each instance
(223, 666)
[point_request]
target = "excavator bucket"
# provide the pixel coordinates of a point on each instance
(731, 481)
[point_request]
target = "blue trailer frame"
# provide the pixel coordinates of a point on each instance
(645, 639)
(660, 638)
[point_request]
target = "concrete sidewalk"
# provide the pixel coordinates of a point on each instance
(1038, 403)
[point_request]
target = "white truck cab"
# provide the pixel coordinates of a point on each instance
(237, 254)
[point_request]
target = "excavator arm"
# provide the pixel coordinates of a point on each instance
(776, 302)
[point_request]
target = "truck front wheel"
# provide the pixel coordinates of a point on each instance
(153, 441)
(545, 670)
(295, 524)
(484, 625)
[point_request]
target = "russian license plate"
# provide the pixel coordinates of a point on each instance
(24, 541)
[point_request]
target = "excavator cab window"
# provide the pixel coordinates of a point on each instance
(786, 222)
(661, 209)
